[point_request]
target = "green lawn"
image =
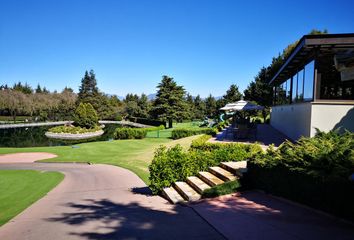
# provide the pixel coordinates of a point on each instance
(134, 155)
(21, 188)
(167, 133)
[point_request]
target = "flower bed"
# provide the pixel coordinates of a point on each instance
(74, 133)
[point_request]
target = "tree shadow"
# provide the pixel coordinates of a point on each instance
(347, 122)
(104, 219)
(142, 191)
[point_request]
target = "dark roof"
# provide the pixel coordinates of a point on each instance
(306, 49)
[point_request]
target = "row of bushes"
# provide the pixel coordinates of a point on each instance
(314, 171)
(175, 164)
(183, 132)
(130, 133)
(73, 129)
(147, 121)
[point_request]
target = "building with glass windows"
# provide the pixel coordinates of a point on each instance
(314, 88)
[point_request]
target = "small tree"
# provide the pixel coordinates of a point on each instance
(85, 116)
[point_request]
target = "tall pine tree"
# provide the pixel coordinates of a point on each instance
(169, 104)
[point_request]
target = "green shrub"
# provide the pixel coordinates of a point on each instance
(85, 116)
(152, 129)
(130, 133)
(314, 171)
(182, 132)
(168, 166)
(174, 164)
(73, 129)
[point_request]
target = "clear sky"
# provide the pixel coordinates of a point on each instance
(205, 45)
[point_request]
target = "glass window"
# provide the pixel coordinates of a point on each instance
(287, 90)
(300, 86)
(308, 81)
(295, 90)
(335, 82)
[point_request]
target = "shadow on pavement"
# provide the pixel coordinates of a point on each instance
(105, 219)
(142, 191)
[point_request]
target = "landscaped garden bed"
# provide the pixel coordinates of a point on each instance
(85, 125)
(176, 164)
(314, 171)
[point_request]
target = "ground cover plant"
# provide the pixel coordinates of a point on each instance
(21, 188)
(314, 171)
(130, 133)
(222, 189)
(73, 129)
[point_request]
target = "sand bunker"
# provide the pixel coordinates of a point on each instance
(25, 157)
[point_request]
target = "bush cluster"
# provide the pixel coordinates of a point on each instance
(183, 132)
(175, 164)
(314, 171)
(130, 133)
(73, 129)
(221, 125)
(152, 129)
(85, 116)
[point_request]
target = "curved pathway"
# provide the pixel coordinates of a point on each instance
(102, 202)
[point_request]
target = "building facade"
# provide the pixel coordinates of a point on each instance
(314, 88)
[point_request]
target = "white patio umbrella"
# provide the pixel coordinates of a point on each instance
(241, 106)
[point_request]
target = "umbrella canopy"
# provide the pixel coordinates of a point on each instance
(241, 106)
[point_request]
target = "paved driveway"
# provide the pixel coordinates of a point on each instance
(102, 202)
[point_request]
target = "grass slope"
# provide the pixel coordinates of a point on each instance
(134, 155)
(21, 188)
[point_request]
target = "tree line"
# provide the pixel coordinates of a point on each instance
(172, 102)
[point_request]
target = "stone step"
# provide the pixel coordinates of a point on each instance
(222, 174)
(197, 184)
(237, 168)
(210, 179)
(186, 191)
(172, 195)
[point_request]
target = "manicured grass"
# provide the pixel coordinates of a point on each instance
(222, 189)
(21, 188)
(134, 155)
(167, 133)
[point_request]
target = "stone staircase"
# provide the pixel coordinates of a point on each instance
(194, 186)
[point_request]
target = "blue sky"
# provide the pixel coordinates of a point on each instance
(205, 45)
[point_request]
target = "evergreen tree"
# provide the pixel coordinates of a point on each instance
(26, 89)
(190, 106)
(144, 106)
(169, 104)
(88, 88)
(210, 106)
(232, 94)
(199, 105)
(38, 89)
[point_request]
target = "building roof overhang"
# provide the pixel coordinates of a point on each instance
(306, 50)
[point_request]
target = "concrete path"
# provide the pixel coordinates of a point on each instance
(102, 202)
(254, 215)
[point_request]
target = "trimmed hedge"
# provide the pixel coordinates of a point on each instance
(152, 129)
(314, 171)
(130, 133)
(182, 132)
(175, 164)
